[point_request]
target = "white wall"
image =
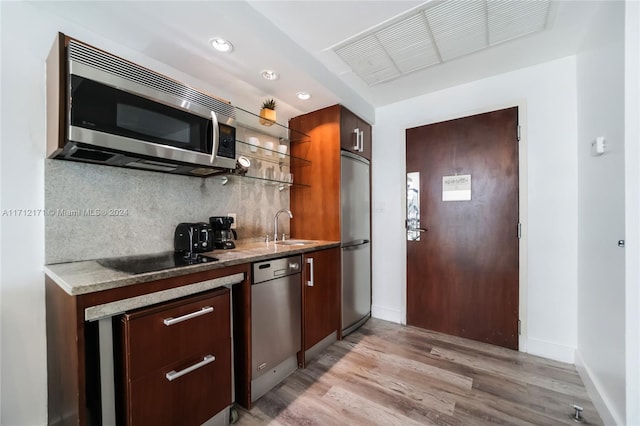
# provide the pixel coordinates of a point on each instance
(632, 207)
(549, 92)
(601, 213)
(25, 42)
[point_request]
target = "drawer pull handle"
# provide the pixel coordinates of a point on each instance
(171, 321)
(172, 375)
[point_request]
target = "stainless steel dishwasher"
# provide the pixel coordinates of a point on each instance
(276, 312)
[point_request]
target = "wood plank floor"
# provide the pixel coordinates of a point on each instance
(387, 374)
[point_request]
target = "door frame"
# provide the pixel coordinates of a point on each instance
(523, 209)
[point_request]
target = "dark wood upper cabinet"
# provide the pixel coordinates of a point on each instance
(355, 134)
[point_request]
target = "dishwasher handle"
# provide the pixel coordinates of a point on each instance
(310, 280)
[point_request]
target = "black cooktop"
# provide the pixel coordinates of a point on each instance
(153, 262)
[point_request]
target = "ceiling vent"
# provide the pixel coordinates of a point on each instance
(439, 32)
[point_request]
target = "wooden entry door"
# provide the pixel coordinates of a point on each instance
(462, 258)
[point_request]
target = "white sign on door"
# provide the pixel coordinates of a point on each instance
(456, 188)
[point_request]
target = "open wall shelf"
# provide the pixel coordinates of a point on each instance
(267, 150)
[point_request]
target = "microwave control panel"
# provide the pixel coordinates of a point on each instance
(227, 145)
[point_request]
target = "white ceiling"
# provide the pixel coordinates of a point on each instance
(295, 38)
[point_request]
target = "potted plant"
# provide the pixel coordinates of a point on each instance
(268, 112)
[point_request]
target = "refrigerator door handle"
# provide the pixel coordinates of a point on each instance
(355, 243)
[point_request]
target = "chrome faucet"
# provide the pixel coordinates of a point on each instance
(275, 222)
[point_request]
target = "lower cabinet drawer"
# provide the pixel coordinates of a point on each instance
(190, 399)
(176, 361)
(157, 336)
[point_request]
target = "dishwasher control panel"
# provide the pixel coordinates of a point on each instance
(270, 269)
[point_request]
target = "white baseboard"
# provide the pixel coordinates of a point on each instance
(522, 343)
(593, 389)
(551, 350)
(386, 314)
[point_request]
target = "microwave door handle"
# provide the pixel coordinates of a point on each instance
(216, 138)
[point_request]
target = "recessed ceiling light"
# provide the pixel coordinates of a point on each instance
(270, 75)
(221, 44)
(303, 96)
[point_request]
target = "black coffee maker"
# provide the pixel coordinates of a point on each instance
(223, 235)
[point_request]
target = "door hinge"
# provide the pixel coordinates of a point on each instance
(519, 328)
(518, 129)
(519, 230)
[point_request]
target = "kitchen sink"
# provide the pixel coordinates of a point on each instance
(295, 242)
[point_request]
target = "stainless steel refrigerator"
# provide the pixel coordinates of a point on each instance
(355, 206)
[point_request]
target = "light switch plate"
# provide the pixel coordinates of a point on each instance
(599, 146)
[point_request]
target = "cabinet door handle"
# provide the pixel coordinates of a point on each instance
(361, 141)
(171, 321)
(310, 263)
(357, 133)
(172, 375)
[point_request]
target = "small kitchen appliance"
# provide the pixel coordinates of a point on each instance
(103, 109)
(192, 238)
(223, 235)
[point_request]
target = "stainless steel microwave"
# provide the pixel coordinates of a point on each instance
(103, 109)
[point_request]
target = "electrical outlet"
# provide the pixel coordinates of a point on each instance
(234, 225)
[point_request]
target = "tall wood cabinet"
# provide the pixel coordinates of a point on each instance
(316, 208)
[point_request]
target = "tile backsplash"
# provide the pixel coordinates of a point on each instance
(99, 211)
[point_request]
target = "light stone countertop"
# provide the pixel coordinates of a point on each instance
(88, 276)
